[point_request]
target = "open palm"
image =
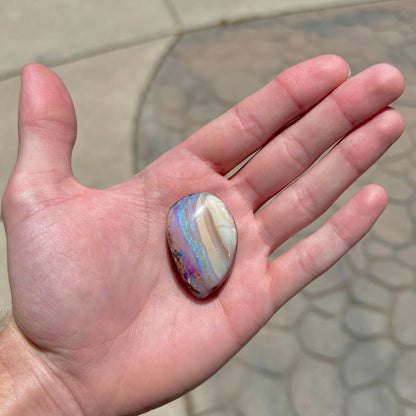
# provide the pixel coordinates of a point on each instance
(93, 285)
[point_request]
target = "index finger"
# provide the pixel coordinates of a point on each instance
(249, 125)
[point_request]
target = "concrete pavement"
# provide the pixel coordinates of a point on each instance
(144, 75)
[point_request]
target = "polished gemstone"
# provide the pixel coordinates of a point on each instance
(202, 238)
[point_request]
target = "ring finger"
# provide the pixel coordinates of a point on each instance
(310, 196)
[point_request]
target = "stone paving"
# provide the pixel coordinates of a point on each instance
(346, 345)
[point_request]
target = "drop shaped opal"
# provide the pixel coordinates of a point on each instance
(202, 238)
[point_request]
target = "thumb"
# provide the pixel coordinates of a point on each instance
(47, 123)
(47, 131)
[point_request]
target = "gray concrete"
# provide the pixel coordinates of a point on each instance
(60, 31)
(194, 14)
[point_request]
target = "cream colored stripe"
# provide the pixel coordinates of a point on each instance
(206, 225)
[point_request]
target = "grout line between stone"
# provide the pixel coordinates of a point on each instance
(92, 53)
(175, 15)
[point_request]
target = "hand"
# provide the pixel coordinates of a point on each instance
(96, 301)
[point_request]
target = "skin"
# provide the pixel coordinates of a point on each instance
(101, 325)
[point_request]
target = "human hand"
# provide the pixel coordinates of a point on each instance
(97, 305)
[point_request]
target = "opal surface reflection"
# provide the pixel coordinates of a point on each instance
(202, 238)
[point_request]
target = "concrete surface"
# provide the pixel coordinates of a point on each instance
(144, 75)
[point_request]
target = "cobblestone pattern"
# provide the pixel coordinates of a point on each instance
(346, 345)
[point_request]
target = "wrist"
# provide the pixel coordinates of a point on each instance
(27, 385)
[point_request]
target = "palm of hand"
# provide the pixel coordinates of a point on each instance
(91, 276)
(101, 275)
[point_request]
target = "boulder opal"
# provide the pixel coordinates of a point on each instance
(202, 238)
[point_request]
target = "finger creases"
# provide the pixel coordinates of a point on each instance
(311, 195)
(315, 254)
(245, 128)
(47, 123)
(297, 147)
